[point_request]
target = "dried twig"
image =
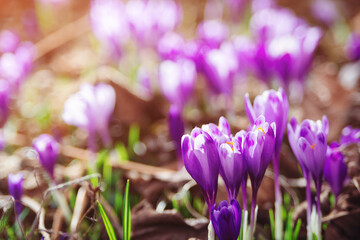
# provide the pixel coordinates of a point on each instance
(37, 208)
(62, 36)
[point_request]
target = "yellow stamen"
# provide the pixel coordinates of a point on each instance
(259, 128)
(232, 145)
(313, 146)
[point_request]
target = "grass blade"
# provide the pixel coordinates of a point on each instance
(109, 228)
(297, 229)
(272, 223)
(127, 214)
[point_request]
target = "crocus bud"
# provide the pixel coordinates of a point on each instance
(4, 102)
(48, 149)
(177, 79)
(226, 220)
(201, 160)
(9, 41)
(109, 24)
(274, 106)
(232, 164)
(212, 32)
(353, 47)
(258, 149)
(176, 127)
(308, 142)
(350, 135)
(16, 189)
(335, 169)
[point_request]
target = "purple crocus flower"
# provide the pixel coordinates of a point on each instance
(9, 41)
(177, 79)
(232, 164)
(308, 142)
(350, 135)
(353, 47)
(220, 66)
(177, 128)
(48, 149)
(149, 20)
(274, 106)
(201, 160)
(91, 109)
(213, 32)
(335, 169)
(109, 24)
(171, 46)
(16, 189)
(258, 149)
(226, 220)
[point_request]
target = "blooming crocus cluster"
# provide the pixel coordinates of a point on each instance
(48, 149)
(15, 184)
(308, 142)
(226, 220)
(353, 47)
(109, 24)
(91, 109)
(213, 149)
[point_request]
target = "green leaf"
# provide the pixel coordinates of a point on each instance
(288, 228)
(134, 136)
(127, 214)
(122, 152)
(272, 223)
(107, 223)
(297, 229)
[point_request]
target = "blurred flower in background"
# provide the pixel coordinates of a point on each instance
(48, 149)
(9, 41)
(90, 109)
(110, 25)
(353, 47)
(325, 11)
(150, 20)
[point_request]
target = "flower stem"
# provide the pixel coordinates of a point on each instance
(278, 198)
(244, 196)
(253, 206)
(309, 204)
(318, 207)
